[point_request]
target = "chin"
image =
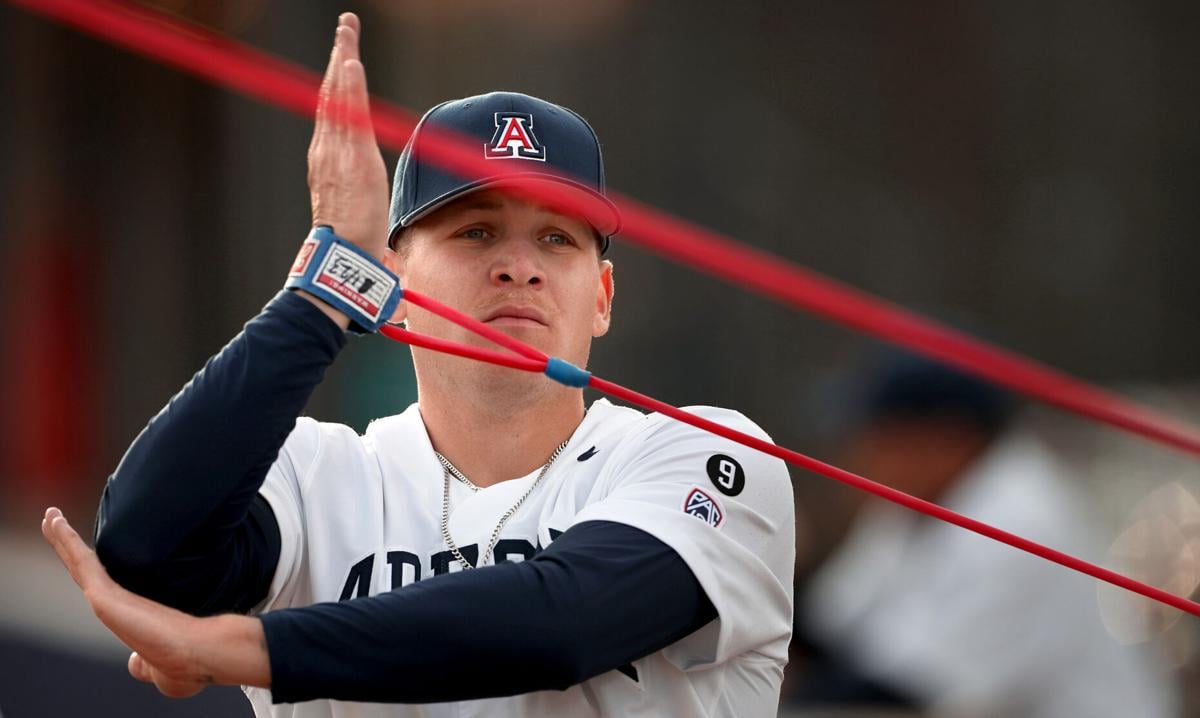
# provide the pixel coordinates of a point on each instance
(510, 388)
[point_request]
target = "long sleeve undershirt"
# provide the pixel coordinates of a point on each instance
(180, 521)
(601, 596)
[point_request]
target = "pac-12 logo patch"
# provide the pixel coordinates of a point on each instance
(726, 474)
(703, 507)
(514, 139)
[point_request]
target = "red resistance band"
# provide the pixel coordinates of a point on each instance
(225, 62)
(529, 359)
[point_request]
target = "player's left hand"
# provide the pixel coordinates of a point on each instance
(347, 178)
(180, 654)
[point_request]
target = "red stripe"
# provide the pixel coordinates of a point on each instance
(476, 326)
(809, 464)
(260, 75)
(898, 497)
(718, 255)
(256, 74)
(463, 350)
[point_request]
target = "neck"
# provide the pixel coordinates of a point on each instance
(490, 444)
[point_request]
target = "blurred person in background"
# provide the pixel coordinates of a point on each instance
(910, 612)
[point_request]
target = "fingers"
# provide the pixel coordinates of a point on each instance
(354, 98)
(327, 98)
(351, 101)
(138, 622)
(170, 686)
(151, 629)
(80, 561)
(350, 43)
(347, 178)
(358, 105)
(139, 669)
(324, 93)
(336, 111)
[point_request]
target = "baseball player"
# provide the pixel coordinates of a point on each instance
(497, 549)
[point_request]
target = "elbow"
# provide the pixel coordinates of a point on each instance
(115, 555)
(125, 551)
(124, 555)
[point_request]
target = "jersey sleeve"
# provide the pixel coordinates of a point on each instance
(283, 491)
(728, 511)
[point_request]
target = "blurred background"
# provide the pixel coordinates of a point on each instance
(1025, 170)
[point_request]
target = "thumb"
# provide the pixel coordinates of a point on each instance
(170, 687)
(139, 668)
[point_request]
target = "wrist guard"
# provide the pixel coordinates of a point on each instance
(347, 278)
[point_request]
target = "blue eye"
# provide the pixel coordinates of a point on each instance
(474, 233)
(560, 239)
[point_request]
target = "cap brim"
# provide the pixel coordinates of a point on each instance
(560, 194)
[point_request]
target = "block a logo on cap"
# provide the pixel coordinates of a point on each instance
(514, 139)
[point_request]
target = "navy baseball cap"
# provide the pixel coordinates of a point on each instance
(528, 138)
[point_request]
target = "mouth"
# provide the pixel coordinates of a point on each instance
(516, 316)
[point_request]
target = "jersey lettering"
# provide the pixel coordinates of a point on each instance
(397, 560)
(506, 549)
(443, 560)
(405, 566)
(358, 583)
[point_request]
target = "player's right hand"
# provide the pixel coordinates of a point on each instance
(346, 175)
(178, 653)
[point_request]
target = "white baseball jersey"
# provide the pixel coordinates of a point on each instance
(361, 515)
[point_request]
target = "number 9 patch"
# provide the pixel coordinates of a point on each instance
(726, 474)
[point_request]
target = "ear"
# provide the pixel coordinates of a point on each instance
(604, 300)
(395, 262)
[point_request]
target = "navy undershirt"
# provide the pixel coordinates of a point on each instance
(601, 596)
(181, 521)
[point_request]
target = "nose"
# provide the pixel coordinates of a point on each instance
(517, 266)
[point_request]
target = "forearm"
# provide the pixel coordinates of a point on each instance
(187, 482)
(602, 596)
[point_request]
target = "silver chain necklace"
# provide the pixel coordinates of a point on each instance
(449, 470)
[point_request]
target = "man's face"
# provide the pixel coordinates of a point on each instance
(519, 267)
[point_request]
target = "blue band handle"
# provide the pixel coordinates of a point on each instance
(564, 372)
